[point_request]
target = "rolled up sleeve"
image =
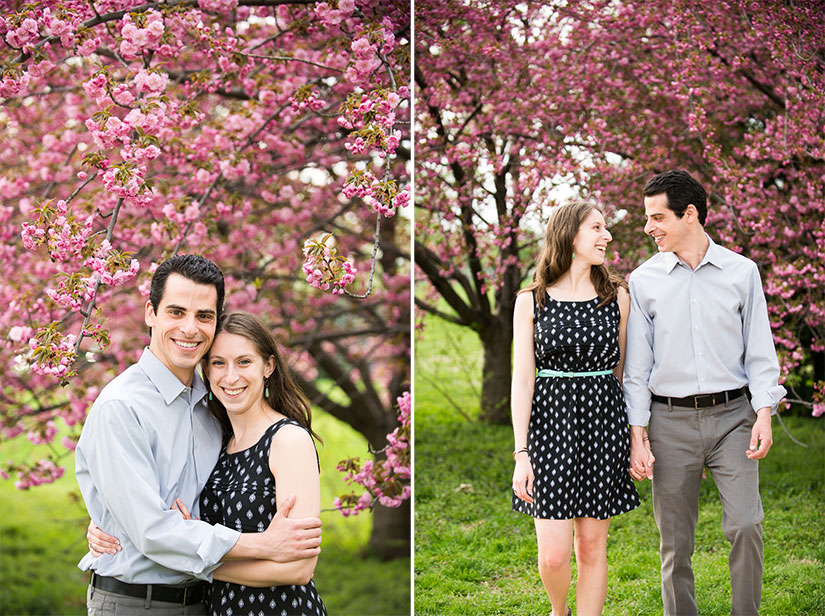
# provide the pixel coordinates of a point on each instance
(760, 361)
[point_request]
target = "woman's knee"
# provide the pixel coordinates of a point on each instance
(553, 558)
(590, 548)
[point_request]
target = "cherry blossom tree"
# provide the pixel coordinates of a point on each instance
(271, 136)
(519, 106)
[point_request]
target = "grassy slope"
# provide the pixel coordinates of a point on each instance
(475, 556)
(42, 537)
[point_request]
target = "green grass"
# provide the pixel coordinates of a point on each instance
(42, 537)
(475, 556)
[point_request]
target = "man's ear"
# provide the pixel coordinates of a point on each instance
(691, 213)
(149, 314)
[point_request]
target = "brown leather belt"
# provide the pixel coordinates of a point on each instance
(185, 595)
(702, 401)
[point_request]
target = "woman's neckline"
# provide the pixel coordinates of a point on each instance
(572, 301)
(256, 443)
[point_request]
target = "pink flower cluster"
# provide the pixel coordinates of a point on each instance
(324, 269)
(45, 471)
(381, 195)
(56, 357)
(45, 434)
(218, 6)
(366, 50)
(20, 333)
(73, 291)
(332, 17)
(125, 180)
(311, 100)
(136, 39)
(110, 265)
(372, 119)
(387, 481)
(64, 235)
(24, 35)
(819, 399)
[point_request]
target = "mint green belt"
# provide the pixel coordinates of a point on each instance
(572, 374)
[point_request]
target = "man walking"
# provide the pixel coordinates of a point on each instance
(699, 345)
(149, 440)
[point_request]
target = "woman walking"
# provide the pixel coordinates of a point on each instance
(569, 421)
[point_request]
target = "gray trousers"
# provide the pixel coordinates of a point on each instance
(104, 603)
(683, 440)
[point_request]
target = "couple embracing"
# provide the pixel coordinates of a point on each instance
(685, 356)
(163, 446)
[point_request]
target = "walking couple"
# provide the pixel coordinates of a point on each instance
(683, 354)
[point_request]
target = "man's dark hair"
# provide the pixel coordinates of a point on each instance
(681, 190)
(194, 267)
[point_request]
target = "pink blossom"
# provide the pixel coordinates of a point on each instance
(219, 6)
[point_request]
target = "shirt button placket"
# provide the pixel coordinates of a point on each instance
(696, 337)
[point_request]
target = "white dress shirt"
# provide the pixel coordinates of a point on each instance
(148, 440)
(698, 331)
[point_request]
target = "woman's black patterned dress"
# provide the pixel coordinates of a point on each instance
(578, 440)
(240, 494)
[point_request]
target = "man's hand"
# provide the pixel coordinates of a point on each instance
(761, 434)
(287, 539)
(641, 457)
(100, 543)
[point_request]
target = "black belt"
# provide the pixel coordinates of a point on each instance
(702, 401)
(185, 595)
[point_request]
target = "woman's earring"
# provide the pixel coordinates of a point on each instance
(210, 395)
(574, 256)
(266, 391)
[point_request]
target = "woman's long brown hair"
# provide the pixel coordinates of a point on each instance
(284, 396)
(557, 256)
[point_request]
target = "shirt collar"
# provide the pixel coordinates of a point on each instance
(169, 386)
(713, 256)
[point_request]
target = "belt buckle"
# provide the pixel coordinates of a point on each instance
(568, 374)
(711, 398)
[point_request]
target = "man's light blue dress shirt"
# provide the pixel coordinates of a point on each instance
(148, 440)
(698, 331)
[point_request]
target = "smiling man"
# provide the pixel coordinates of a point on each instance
(701, 372)
(149, 440)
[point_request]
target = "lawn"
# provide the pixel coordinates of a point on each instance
(474, 556)
(42, 537)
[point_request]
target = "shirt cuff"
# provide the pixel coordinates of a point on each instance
(770, 397)
(212, 551)
(638, 417)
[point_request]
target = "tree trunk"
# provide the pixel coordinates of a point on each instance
(497, 340)
(390, 536)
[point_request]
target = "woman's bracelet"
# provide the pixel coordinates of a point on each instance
(518, 451)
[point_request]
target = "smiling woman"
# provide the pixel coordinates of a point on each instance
(572, 444)
(268, 464)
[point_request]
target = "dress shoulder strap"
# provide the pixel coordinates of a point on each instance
(287, 421)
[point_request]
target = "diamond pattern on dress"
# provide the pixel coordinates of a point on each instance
(577, 440)
(240, 494)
